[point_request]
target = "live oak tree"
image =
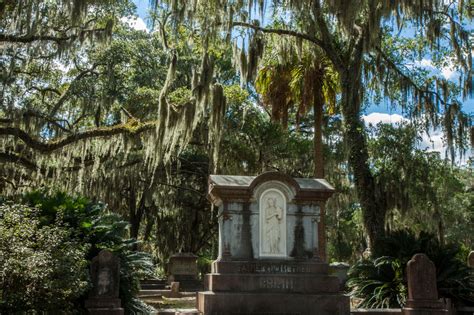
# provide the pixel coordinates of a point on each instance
(358, 37)
(90, 106)
(68, 118)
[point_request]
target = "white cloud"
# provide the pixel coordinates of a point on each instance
(135, 23)
(432, 142)
(426, 64)
(448, 72)
(375, 118)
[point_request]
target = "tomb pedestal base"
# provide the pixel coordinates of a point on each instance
(424, 311)
(104, 306)
(425, 307)
(270, 287)
(244, 303)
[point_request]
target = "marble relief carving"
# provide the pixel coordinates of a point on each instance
(272, 223)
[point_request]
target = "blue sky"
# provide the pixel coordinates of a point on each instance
(142, 8)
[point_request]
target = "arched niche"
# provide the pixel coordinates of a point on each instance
(288, 192)
(272, 222)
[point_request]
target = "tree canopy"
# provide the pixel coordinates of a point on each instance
(140, 119)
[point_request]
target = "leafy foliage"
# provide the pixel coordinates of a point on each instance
(90, 225)
(380, 282)
(42, 267)
(421, 190)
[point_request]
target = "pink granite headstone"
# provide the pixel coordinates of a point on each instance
(422, 288)
(421, 273)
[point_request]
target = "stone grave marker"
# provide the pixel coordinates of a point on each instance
(174, 287)
(422, 288)
(105, 276)
(470, 259)
(272, 255)
(182, 268)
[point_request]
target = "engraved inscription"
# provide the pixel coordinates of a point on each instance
(277, 283)
(272, 268)
(104, 281)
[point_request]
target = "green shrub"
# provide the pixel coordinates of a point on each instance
(93, 225)
(380, 282)
(204, 265)
(41, 267)
(92, 228)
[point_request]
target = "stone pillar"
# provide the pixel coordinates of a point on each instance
(246, 250)
(298, 247)
(316, 235)
(226, 228)
(422, 288)
(322, 231)
(220, 226)
(105, 276)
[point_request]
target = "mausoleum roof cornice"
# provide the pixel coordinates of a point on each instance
(232, 187)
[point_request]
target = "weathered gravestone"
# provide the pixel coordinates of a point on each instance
(470, 259)
(422, 288)
(271, 248)
(174, 288)
(105, 276)
(182, 268)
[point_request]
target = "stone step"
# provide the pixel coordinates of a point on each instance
(153, 281)
(228, 303)
(191, 285)
(291, 283)
(375, 311)
(153, 284)
(178, 312)
(151, 293)
(165, 293)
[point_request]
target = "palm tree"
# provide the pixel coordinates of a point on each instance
(302, 83)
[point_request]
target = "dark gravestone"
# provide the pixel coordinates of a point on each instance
(422, 288)
(183, 268)
(105, 276)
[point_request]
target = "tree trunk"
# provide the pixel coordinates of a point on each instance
(371, 200)
(318, 132)
(135, 214)
(439, 218)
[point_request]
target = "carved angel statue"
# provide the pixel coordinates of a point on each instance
(273, 216)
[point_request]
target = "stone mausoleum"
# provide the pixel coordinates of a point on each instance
(272, 255)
